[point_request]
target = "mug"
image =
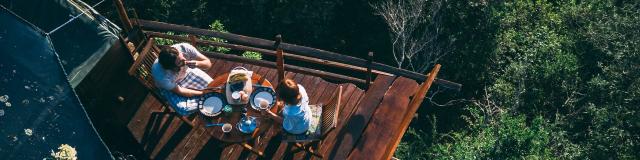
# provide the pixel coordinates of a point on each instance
(226, 128)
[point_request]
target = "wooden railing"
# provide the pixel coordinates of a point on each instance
(292, 51)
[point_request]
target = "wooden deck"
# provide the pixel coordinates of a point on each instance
(367, 121)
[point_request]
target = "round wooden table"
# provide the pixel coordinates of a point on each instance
(234, 117)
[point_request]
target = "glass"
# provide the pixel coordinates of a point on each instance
(236, 96)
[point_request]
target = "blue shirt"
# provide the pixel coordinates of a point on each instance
(297, 118)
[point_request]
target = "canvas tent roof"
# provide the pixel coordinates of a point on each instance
(39, 110)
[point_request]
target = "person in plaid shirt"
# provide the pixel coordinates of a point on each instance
(179, 73)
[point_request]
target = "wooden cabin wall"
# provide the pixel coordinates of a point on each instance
(111, 97)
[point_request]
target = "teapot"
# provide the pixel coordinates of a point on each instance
(247, 124)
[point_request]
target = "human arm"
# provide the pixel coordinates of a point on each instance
(198, 60)
(186, 92)
(202, 64)
(268, 113)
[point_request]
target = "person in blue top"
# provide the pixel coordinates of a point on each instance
(179, 73)
(296, 114)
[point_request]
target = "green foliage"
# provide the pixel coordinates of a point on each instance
(607, 35)
(215, 26)
(533, 58)
(182, 12)
(563, 83)
(415, 148)
(562, 77)
(164, 41)
(252, 55)
(507, 136)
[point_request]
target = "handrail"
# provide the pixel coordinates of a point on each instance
(263, 43)
(264, 51)
(301, 50)
(297, 69)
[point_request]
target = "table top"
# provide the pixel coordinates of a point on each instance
(234, 117)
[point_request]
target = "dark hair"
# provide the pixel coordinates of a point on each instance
(167, 57)
(288, 91)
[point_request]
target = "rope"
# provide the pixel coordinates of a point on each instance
(70, 20)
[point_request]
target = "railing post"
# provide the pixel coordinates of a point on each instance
(279, 58)
(193, 39)
(126, 23)
(369, 63)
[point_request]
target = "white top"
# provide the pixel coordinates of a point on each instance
(167, 79)
(297, 118)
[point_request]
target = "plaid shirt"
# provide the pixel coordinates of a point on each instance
(193, 81)
(184, 105)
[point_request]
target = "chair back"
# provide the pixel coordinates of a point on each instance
(141, 68)
(330, 113)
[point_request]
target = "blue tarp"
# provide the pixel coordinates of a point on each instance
(39, 110)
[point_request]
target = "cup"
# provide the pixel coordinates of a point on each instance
(235, 96)
(262, 103)
(226, 128)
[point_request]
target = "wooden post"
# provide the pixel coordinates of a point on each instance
(126, 23)
(369, 63)
(413, 107)
(135, 22)
(194, 40)
(279, 58)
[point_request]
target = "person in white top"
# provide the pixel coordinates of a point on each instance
(179, 73)
(296, 114)
(173, 65)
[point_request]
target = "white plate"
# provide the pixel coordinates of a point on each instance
(262, 95)
(212, 106)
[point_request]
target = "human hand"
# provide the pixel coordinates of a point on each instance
(280, 103)
(191, 64)
(244, 96)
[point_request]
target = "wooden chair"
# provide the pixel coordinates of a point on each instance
(328, 123)
(141, 70)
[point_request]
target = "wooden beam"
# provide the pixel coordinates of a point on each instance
(448, 84)
(370, 55)
(297, 69)
(413, 107)
(279, 58)
(193, 40)
(126, 23)
(267, 52)
(263, 43)
(302, 50)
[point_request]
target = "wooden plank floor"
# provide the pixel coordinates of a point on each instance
(164, 136)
